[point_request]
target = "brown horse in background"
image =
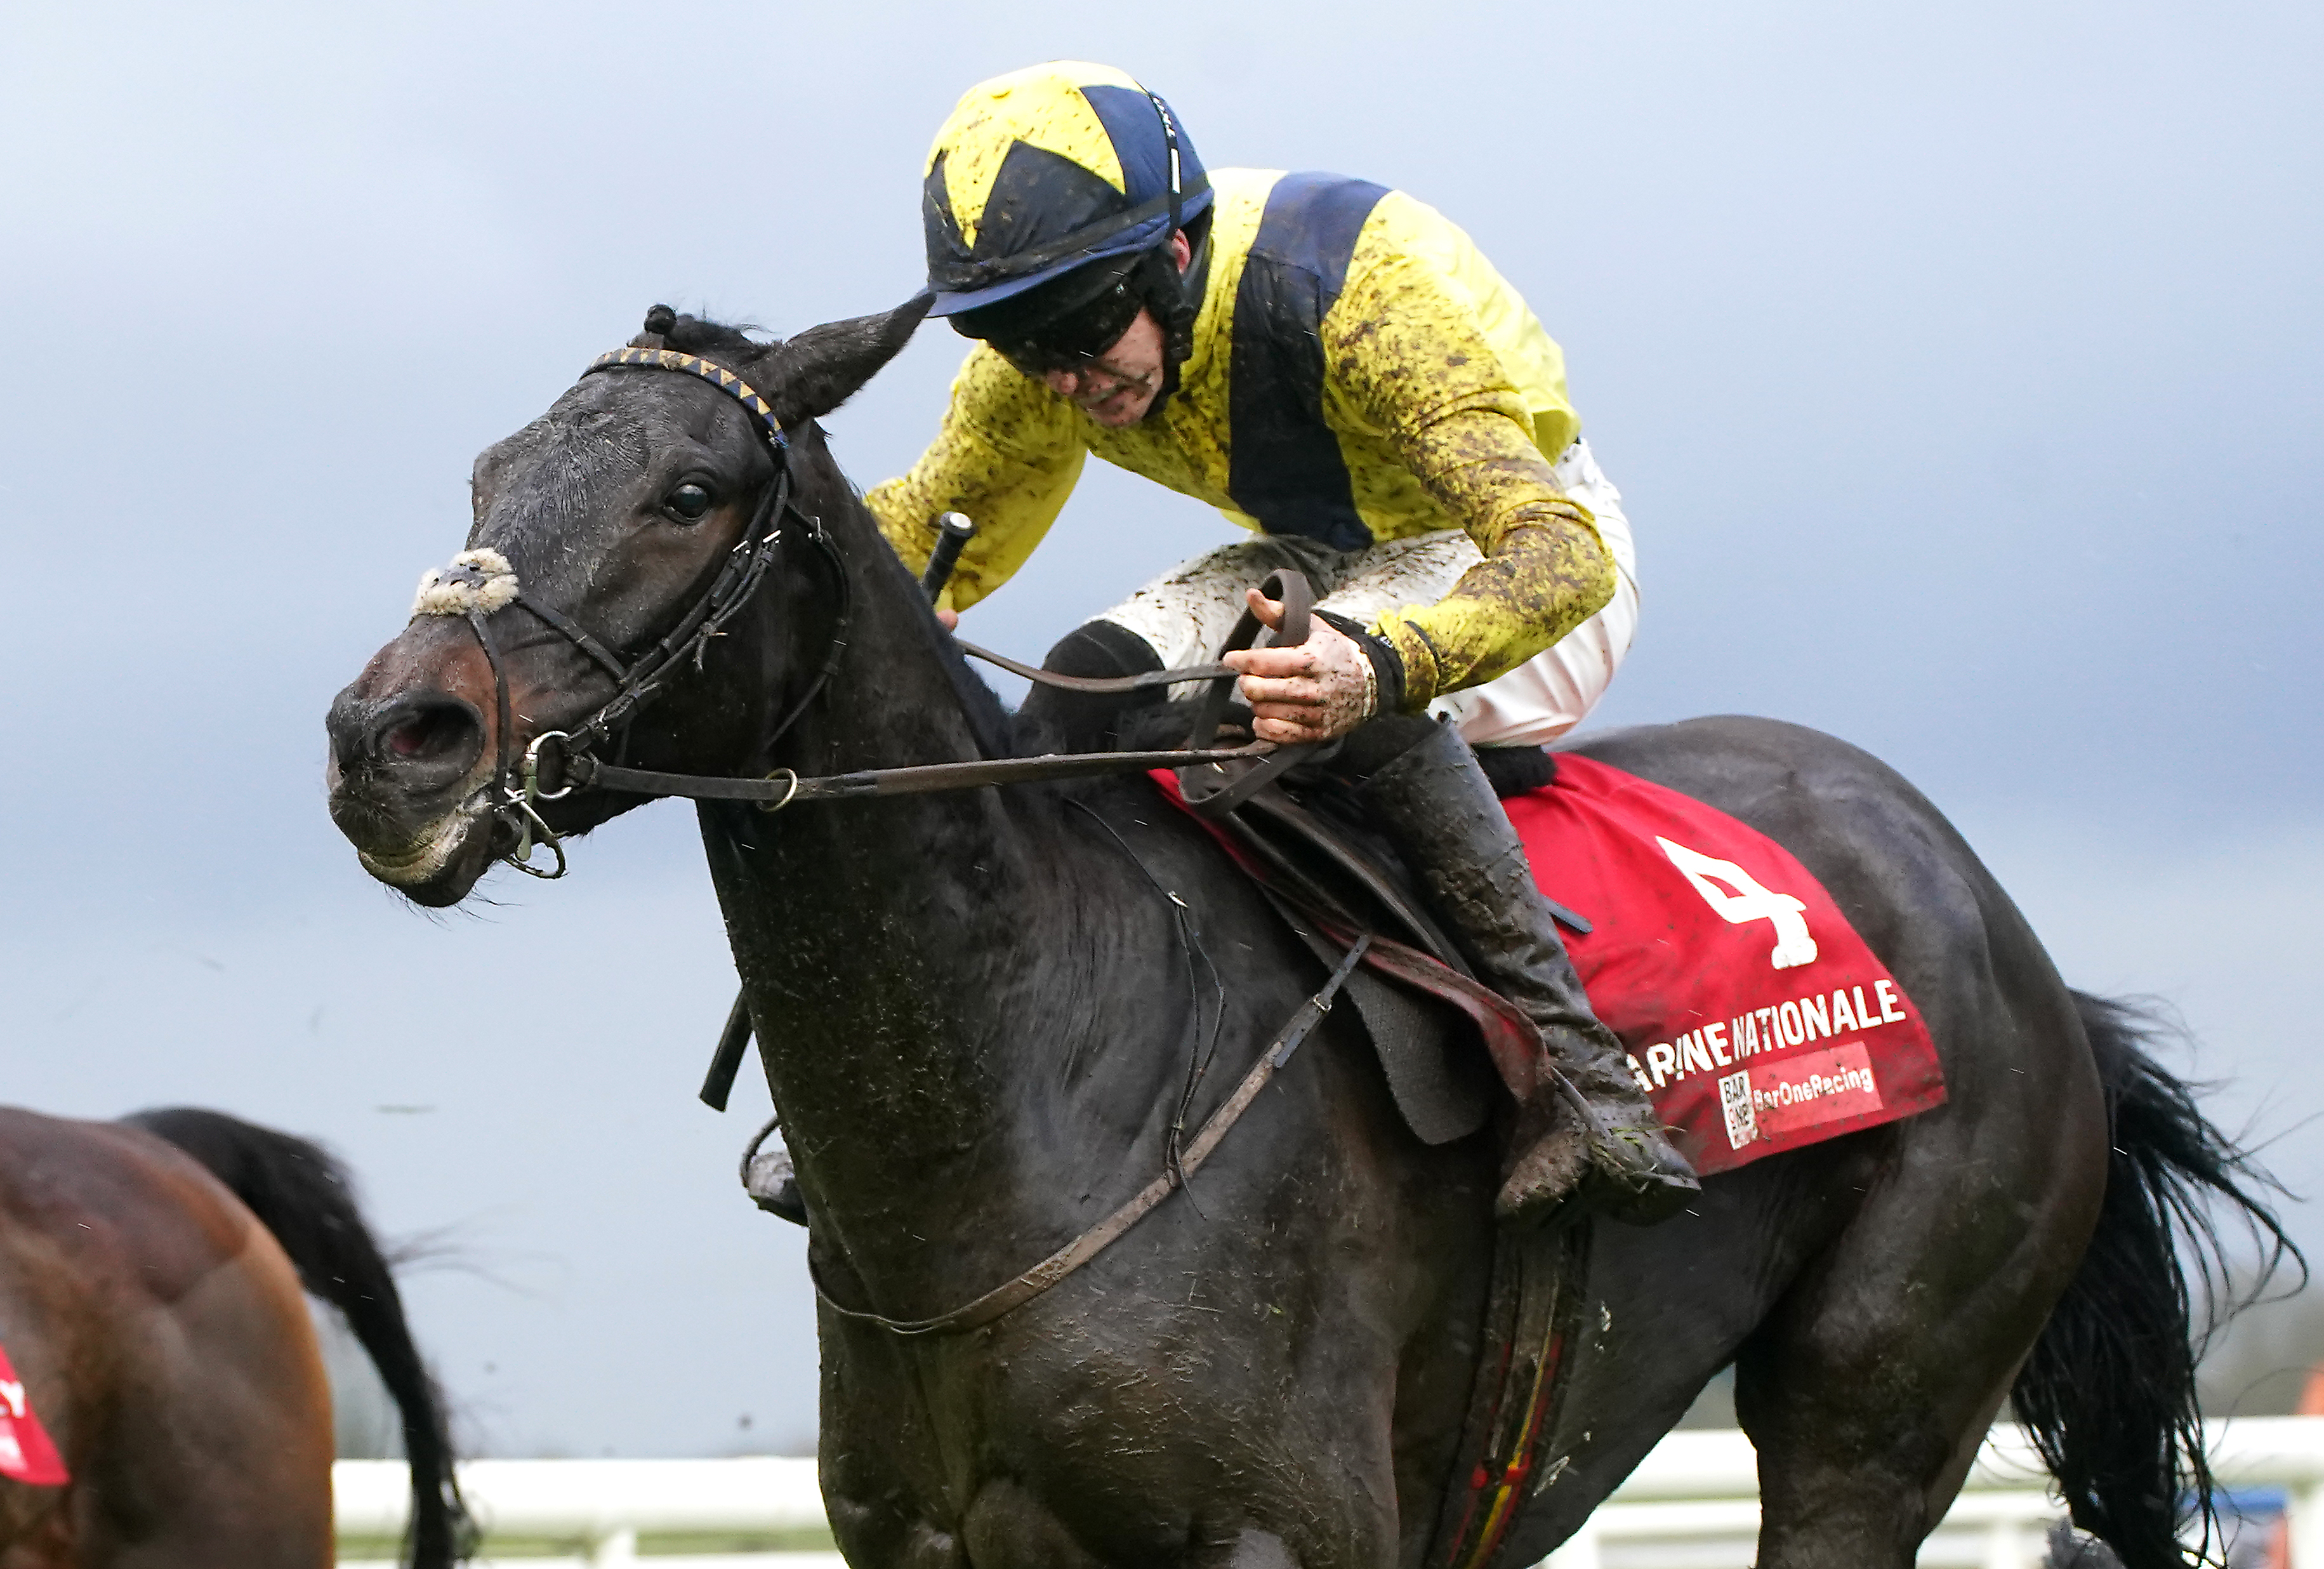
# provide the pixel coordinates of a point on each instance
(150, 1298)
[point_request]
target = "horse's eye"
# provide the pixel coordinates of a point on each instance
(689, 502)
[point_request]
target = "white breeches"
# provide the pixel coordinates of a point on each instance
(1187, 612)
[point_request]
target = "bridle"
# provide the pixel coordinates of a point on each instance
(480, 582)
(516, 788)
(1211, 779)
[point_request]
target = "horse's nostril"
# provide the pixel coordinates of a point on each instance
(427, 735)
(429, 732)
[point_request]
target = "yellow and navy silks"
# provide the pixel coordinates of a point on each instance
(1359, 373)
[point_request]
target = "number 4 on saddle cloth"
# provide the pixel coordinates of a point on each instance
(1753, 1014)
(27, 1454)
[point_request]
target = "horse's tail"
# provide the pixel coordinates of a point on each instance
(2108, 1394)
(302, 1195)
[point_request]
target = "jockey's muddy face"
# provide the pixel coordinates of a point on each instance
(1107, 361)
(616, 507)
(1118, 386)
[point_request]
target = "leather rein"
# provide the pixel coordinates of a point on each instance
(1221, 776)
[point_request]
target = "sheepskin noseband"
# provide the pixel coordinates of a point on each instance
(478, 581)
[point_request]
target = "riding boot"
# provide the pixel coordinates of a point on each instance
(1421, 784)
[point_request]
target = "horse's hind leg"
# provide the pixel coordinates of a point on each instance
(35, 1528)
(223, 1449)
(1868, 1390)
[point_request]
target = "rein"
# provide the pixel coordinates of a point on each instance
(480, 582)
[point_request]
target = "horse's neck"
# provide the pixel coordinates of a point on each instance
(917, 965)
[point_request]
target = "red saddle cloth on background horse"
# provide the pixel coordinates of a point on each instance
(26, 1453)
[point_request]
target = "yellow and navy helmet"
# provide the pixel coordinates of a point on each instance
(1047, 170)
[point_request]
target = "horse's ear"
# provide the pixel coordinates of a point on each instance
(824, 366)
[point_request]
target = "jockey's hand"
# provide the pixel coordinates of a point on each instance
(1314, 691)
(948, 619)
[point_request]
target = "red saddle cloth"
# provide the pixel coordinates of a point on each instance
(25, 1452)
(1755, 1015)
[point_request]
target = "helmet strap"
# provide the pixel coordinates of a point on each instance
(1175, 296)
(1164, 282)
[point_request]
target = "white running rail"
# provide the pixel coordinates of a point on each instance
(1694, 1490)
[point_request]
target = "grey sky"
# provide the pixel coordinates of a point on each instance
(1959, 366)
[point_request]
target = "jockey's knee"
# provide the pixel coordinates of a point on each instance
(1093, 721)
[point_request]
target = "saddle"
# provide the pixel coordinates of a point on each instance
(1330, 875)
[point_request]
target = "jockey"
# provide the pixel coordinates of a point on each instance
(1336, 368)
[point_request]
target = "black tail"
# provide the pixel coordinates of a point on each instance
(302, 1195)
(2108, 1392)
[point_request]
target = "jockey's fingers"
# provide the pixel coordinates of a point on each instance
(1306, 715)
(1260, 691)
(1283, 732)
(1290, 662)
(1268, 611)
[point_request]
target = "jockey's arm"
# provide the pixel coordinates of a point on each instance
(1405, 348)
(1007, 454)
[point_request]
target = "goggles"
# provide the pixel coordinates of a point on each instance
(1041, 335)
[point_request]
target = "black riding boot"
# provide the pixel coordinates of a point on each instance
(1421, 783)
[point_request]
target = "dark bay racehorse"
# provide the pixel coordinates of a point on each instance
(980, 1011)
(150, 1299)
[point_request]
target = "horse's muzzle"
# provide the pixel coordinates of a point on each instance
(404, 777)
